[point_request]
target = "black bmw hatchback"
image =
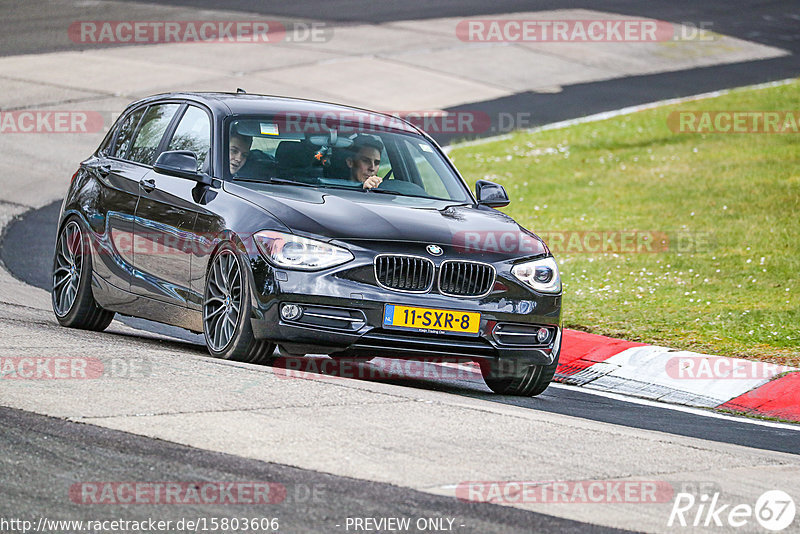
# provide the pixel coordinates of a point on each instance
(323, 229)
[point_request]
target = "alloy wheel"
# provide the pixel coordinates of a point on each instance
(67, 272)
(223, 302)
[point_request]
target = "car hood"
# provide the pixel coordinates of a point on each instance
(358, 215)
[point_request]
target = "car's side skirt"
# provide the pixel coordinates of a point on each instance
(124, 302)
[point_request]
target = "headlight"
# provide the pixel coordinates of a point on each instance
(295, 252)
(542, 275)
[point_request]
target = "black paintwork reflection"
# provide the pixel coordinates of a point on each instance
(109, 202)
(165, 218)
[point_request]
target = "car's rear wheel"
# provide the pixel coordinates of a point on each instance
(226, 323)
(73, 302)
(506, 377)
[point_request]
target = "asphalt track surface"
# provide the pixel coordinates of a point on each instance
(39, 454)
(27, 30)
(772, 23)
(48, 454)
(36, 27)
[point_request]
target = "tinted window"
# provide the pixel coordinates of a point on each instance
(107, 144)
(193, 133)
(154, 124)
(126, 131)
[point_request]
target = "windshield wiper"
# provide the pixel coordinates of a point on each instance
(399, 194)
(282, 181)
(385, 191)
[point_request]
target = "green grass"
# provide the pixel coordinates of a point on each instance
(736, 295)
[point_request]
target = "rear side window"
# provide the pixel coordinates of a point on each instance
(154, 124)
(126, 131)
(193, 133)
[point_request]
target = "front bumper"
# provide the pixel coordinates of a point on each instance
(350, 291)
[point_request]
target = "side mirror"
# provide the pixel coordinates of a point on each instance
(491, 194)
(182, 164)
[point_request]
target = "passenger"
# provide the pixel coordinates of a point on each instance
(365, 160)
(239, 149)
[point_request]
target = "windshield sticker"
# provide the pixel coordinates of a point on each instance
(426, 148)
(269, 128)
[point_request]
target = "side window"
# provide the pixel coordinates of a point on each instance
(125, 134)
(106, 145)
(193, 133)
(154, 124)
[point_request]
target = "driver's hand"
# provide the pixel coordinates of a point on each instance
(372, 182)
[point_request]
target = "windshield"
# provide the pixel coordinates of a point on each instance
(305, 151)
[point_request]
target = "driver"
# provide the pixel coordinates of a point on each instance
(238, 150)
(365, 160)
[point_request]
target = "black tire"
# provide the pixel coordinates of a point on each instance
(71, 295)
(508, 378)
(226, 317)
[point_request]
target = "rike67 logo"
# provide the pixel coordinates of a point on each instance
(774, 510)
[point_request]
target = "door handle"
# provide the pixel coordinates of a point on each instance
(147, 184)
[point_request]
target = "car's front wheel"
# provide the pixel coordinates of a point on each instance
(507, 377)
(73, 302)
(226, 323)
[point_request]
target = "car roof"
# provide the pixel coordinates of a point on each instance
(246, 104)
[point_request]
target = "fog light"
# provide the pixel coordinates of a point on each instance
(543, 335)
(291, 312)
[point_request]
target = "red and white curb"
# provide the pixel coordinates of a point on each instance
(679, 377)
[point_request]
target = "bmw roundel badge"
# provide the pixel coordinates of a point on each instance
(434, 250)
